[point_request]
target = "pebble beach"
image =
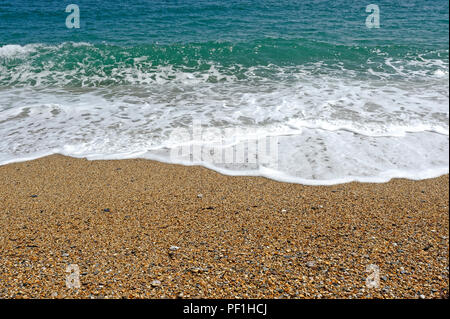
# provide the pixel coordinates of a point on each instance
(143, 229)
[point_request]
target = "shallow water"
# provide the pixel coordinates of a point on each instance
(207, 82)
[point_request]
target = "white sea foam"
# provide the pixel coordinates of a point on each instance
(331, 128)
(14, 50)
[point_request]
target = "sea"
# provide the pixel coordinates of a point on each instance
(303, 91)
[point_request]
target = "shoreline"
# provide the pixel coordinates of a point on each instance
(282, 178)
(138, 228)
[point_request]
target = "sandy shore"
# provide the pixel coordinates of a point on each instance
(141, 229)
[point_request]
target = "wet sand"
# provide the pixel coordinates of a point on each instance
(143, 229)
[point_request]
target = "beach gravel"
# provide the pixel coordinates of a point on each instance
(139, 229)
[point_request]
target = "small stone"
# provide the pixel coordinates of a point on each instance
(174, 248)
(106, 210)
(156, 283)
(311, 264)
(197, 270)
(422, 296)
(284, 211)
(34, 196)
(200, 196)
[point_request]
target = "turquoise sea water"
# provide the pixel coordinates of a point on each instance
(344, 102)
